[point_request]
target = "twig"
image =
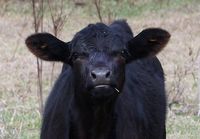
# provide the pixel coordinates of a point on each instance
(198, 83)
(38, 22)
(97, 4)
(58, 19)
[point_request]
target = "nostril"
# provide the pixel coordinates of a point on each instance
(108, 74)
(93, 75)
(100, 74)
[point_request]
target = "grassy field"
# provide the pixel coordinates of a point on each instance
(19, 107)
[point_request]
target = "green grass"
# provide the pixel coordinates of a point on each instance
(26, 125)
(183, 127)
(19, 117)
(123, 9)
(20, 123)
(128, 9)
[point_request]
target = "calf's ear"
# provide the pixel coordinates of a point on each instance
(148, 43)
(47, 47)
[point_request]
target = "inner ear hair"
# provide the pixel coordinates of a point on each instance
(44, 46)
(152, 40)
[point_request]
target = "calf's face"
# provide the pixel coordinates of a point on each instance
(98, 55)
(98, 61)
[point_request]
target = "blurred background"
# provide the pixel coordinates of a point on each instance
(26, 81)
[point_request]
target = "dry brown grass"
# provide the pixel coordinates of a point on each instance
(19, 112)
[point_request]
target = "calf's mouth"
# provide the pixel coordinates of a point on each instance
(103, 90)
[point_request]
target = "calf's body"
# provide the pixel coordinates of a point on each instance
(111, 85)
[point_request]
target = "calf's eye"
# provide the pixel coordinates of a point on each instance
(77, 55)
(124, 53)
(74, 56)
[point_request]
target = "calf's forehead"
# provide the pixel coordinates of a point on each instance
(97, 37)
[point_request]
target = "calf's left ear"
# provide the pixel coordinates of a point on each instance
(47, 47)
(148, 43)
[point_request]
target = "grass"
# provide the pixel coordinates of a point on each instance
(20, 124)
(183, 127)
(19, 108)
(127, 8)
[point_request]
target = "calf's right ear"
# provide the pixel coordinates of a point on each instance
(47, 47)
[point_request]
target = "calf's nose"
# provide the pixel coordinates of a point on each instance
(100, 74)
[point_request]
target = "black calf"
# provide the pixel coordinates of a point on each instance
(111, 85)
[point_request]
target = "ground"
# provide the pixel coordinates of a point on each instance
(19, 108)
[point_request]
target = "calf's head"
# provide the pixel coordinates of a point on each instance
(98, 55)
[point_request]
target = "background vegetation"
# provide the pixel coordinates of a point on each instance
(25, 81)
